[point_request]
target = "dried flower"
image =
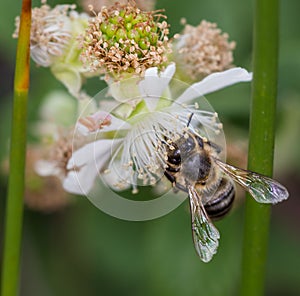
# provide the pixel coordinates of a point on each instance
(44, 194)
(54, 130)
(57, 154)
(123, 39)
(203, 50)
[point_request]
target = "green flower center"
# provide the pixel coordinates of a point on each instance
(124, 39)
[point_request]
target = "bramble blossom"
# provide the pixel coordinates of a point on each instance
(130, 151)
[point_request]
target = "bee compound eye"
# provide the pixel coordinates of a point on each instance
(174, 157)
(188, 145)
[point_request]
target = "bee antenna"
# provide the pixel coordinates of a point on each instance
(190, 119)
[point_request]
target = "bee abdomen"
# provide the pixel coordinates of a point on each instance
(222, 201)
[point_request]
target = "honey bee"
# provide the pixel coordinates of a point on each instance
(193, 165)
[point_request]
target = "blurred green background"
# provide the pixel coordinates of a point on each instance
(79, 250)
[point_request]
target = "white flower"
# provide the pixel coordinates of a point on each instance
(51, 31)
(132, 152)
(54, 42)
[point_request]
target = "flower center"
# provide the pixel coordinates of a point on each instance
(122, 38)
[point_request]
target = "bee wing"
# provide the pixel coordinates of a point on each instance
(262, 188)
(205, 234)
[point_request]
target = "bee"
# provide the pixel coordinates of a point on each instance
(193, 165)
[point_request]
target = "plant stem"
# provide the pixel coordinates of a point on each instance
(261, 145)
(14, 204)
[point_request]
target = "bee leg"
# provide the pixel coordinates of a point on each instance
(181, 187)
(170, 178)
(175, 185)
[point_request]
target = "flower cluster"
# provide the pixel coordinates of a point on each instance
(124, 39)
(54, 44)
(51, 32)
(203, 50)
(122, 134)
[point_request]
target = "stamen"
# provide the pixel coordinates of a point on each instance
(50, 32)
(144, 152)
(203, 50)
(126, 39)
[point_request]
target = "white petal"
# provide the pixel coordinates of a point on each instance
(153, 84)
(125, 90)
(86, 163)
(89, 152)
(151, 72)
(151, 102)
(76, 184)
(169, 72)
(46, 168)
(215, 82)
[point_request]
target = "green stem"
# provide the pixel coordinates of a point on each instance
(261, 145)
(14, 204)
